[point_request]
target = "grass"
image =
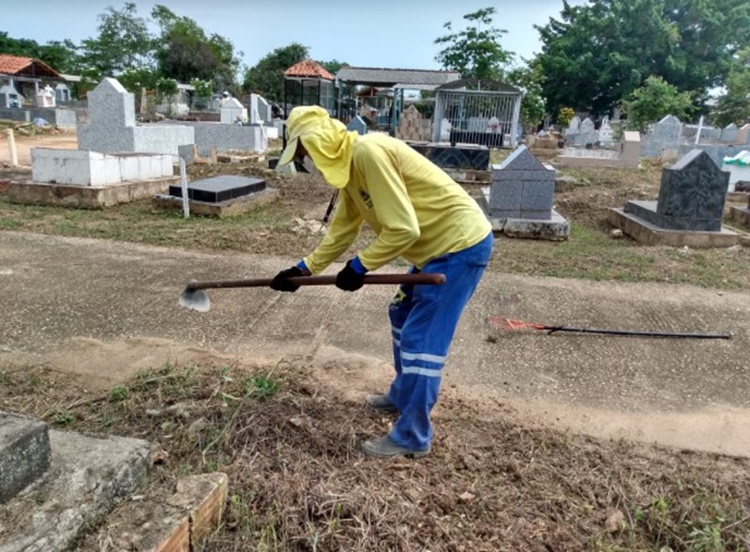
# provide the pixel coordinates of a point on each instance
(298, 481)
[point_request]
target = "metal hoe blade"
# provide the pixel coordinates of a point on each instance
(195, 299)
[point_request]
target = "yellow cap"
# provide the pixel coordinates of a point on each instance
(326, 140)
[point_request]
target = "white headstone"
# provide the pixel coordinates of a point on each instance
(574, 123)
(233, 112)
(606, 134)
(445, 130)
(111, 105)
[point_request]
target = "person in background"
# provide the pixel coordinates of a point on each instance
(419, 214)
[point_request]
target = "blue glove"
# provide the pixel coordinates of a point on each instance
(352, 276)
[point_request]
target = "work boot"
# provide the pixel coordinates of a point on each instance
(381, 403)
(385, 447)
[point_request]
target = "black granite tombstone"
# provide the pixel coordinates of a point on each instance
(220, 188)
(692, 196)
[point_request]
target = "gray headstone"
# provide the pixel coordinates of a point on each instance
(693, 192)
(729, 134)
(110, 105)
(669, 129)
(358, 125)
(24, 453)
(522, 187)
(574, 123)
(587, 133)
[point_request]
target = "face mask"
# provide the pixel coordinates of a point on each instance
(310, 166)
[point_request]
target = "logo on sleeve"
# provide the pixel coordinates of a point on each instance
(366, 198)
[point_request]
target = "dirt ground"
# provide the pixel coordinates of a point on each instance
(61, 139)
(542, 441)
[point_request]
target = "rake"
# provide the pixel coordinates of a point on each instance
(509, 324)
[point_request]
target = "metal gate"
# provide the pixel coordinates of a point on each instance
(483, 117)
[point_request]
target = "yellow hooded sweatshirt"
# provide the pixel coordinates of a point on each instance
(417, 211)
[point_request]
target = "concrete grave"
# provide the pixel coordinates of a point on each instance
(91, 180)
(231, 137)
(519, 200)
(219, 196)
(458, 157)
(587, 134)
(729, 134)
(689, 208)
(741, 214)
(260, 110)
(628, 155)
(743, 135)
(24, 453)
(9, 97)
(112, 127)
(90, 168)
(358, 125)
(233, 112)
(606, 134)
(55, 485)
(45, 97)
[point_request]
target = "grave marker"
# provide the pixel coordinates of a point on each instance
(358, 125)
(691, 197)
(522, 187)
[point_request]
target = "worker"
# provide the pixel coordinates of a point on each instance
(419, 214)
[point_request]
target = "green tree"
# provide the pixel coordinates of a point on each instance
(595, 55)
(533, 105)
(475, 51)
(734, 105)
(267, 76)
(61, 56)
(653, 101)
(333, 66)
(185, 52)
(124, 43)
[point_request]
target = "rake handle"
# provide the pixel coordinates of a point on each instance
(553, 329)
(414, 279)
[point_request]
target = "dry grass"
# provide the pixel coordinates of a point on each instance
(298, 481)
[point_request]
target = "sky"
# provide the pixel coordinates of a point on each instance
(362, 33)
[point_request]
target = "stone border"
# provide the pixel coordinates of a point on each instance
(86, 197)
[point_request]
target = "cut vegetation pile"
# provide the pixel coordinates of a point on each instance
(299, 482)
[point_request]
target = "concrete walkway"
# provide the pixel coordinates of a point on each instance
(107, 309)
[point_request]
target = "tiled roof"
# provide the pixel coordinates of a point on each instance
(391, 77)
(17, 65)
(308, 68)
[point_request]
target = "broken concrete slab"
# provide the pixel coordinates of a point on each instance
(180, 522)
(88, 477)
(24, 453)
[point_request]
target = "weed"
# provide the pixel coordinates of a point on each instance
(119, 393)
(261, 386)
(64, 419)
